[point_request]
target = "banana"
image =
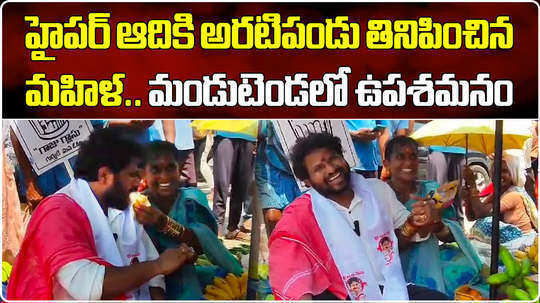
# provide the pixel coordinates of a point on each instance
(526, 265)
(243, 284)
(217, 292)
(498, 278)
(518, 282)
(531, 287)
(210, 297)
(532, 251)
(222, 283)
(510, 291)
(509, 262)
(235, 286)
(520, 294)
(521, 254)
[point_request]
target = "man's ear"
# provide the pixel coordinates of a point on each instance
(386, 163)
(105, 176)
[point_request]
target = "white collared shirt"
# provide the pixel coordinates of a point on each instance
(385, 195)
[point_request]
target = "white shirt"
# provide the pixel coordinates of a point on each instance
(83, 279)
(398, 212)
(385, 195)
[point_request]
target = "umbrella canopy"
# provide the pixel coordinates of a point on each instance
(476, 135)
(248, 127)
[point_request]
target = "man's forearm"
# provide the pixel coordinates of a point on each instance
(119, 280)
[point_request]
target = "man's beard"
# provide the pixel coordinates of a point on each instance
(116, 197)
(330, 191)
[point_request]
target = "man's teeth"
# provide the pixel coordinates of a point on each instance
(334, 177)
(406, 170)
(164, 184)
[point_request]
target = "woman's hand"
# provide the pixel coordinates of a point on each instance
(425, 215)
(468, 176)
(150, 216)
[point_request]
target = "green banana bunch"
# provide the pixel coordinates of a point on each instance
(202, 260)
(514, 281)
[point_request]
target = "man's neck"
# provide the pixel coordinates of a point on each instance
(343, 198)
(98, 193)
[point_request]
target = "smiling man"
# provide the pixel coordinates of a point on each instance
(70, 252)
(331, 234)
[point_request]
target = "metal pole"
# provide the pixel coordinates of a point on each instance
(466, 149)
(69, 169)
(253, 273)
(496, 205)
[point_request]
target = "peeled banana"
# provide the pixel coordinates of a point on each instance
(139, 199)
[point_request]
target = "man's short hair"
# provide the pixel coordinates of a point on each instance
(396, 143)
(105, 147)
(305, 146)
(155, 149)
(352, 280)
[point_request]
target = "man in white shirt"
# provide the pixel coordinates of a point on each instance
(70, 250)
(340, 234)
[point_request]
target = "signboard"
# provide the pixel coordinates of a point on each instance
(291, 130)
(48, 143)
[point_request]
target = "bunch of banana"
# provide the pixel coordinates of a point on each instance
(514, 281)
(229, 288)
(530, 253)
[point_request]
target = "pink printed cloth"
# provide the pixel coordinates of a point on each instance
(300, 261)
(59, 232)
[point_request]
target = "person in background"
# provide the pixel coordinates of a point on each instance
(180, 215)
(365, 135)
(69, 251)
(425, 263)
(530, 150)
(275, 181)
(516, 207)
(33, 187)
(180, 133)
(140, 131)
(233, 167)
(394, 128)
(199, 139)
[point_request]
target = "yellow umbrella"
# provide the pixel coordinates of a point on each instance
(476, 134)
(248, 127)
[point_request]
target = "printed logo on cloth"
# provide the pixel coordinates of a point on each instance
(355, 285)
(386, 247)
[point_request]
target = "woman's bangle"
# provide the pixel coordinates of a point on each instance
(173, 228)
(407, 230)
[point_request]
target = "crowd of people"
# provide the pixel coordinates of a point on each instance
(370, 232)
